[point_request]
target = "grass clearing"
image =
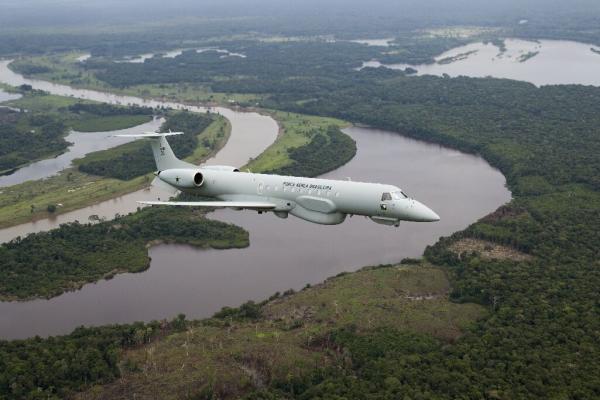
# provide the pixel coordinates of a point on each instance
(225, 358)
(83, 122)
(47, 103)
(71, 189)
(488, 250)
(91, 123)
(295, 130)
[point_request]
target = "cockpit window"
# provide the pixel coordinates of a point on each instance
(386, 197)
(399, 195)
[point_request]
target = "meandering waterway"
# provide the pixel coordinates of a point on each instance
(5, 96)
(251, 134)
(541, 62)
(82, 143)
(283, 253)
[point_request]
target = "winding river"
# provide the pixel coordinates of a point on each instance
(282, 253)
(251, 134)
(5, 96)
(541, 62)
(82, 143)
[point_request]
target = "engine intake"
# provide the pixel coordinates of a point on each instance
(198, 179)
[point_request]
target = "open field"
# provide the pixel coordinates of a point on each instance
(111, 123)
(82, 122)
(295, 130)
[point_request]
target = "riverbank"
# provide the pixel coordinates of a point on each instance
(44, 123)
(43, 265)
(73, 190)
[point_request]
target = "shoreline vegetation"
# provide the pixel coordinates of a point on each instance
(49, 119)
(19, 280)
(126, 166)
(74, 189)
(46, 264)
(527, 56)
(458, 57)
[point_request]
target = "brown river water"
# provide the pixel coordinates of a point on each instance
(282, 254)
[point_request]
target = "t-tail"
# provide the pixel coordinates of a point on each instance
(163, 154)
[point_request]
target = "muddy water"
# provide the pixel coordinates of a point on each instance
(283, 253)
(251, 134)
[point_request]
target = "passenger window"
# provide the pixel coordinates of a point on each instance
(386, 197)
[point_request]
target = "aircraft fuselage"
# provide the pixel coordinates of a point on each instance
(323, 201)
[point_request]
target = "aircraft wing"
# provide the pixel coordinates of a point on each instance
(253, 205)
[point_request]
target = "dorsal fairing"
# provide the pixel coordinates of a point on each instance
(227, 168)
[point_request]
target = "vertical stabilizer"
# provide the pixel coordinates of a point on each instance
(163, 154)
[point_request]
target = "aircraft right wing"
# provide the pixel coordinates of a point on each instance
(251, 205)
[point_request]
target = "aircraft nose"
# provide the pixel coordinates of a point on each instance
(424, 214)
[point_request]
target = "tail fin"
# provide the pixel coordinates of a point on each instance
(163, 154)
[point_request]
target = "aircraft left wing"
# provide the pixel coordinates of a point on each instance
(252, 205)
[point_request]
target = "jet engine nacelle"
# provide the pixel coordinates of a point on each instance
(221, 168)
(318, 217)
(182, 178)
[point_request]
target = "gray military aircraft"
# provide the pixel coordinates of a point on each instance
(322, 201)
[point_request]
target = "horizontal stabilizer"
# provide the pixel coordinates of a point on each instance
(253, 205)
(151, 134)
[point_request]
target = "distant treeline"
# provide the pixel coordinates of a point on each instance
(295, 59)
